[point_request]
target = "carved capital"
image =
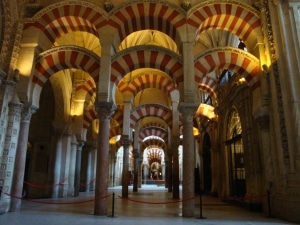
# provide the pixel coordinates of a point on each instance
(27, 112)
(105, 110)
(125, 140)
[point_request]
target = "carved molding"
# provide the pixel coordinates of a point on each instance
(27, 112)
(271, 42)
(126, 140)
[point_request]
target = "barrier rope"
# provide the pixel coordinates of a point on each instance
(87, 184)
(44, 186)
(170, 202)
(56, 203)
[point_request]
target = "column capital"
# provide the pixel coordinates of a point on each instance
(105, 110)
(125, 140)
(187, 108)
(27, 112)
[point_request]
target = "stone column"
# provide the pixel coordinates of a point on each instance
(87, 169)
(71, 176)
(104, 112)
(62, 153)
(9, 154)
(20, 160)
(175, 169)
(56, 160)
(170, 173)
(188, 155)
(125, 181)
(7, 91)
(93, 168)
(140, 175)
(78, 169)
(136, 156)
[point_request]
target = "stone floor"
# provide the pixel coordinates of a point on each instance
(150, 205)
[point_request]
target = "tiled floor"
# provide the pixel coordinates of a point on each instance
(151, 205)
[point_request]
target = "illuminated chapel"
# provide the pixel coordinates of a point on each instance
(197, 96)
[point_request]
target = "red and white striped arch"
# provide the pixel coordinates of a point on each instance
(147, 81)
(88, 117)
(152, 131)
(115, 132)
(233, 16)
(209, 86)
(229, 58)
(155, 110)
(60, 58)
(118, 116)
(67, 16)
(147, 15)
(88, 87)
(145, 57)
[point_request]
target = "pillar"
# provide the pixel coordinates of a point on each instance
(71, 176)
(20, 160)
(125, 181)
(104, 112)
(136, 156)
(78, 168)
(170, 173)
(188, 155)
(9, 154)
(175, 169)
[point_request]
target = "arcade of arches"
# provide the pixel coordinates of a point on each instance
(201, 94)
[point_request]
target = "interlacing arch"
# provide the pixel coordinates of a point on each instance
(146, 57)
(68, 16)
(148, 15)
(156, 110)
(229, 58)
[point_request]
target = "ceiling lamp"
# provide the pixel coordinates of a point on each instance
(207, 111)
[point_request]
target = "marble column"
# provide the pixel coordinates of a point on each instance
(78, 168)
(88, 169)
(136, 156)
(93, 167)
(104, 112)
(188, 163)
(170, 173)
(140, 175)
(125, 181)
(175, 169)
(20, 160)
(71, 176)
